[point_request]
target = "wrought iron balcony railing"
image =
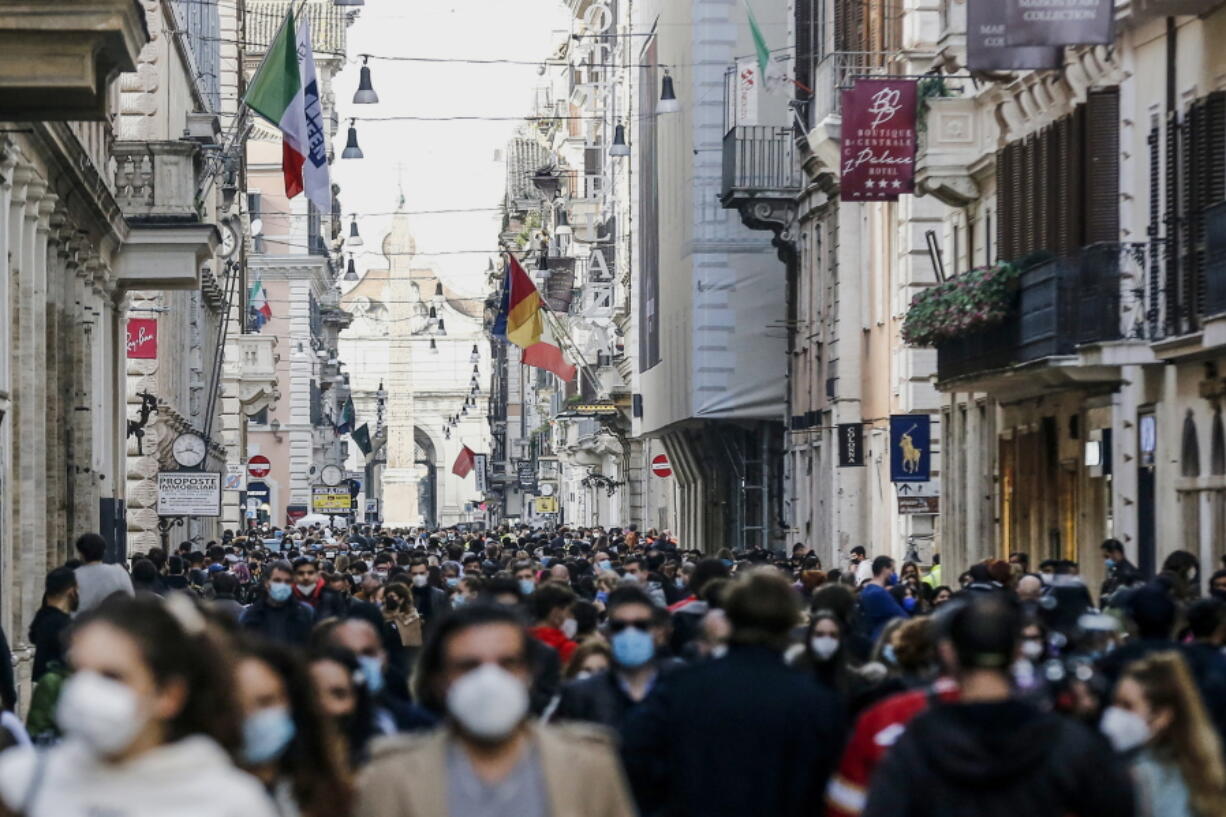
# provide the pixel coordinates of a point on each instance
(759, 159)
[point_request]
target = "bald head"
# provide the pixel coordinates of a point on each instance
(559, 573)
(1029, 588)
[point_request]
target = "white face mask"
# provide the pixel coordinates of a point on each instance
(104, 714)
(1126, 730)
(488, 702)
(1032, 648)
(420, 580)
(569, 628)
(824, 646)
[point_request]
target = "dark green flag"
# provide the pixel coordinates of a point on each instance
(361, 436)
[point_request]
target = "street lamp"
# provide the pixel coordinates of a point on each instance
(352, 149)
(366, 90)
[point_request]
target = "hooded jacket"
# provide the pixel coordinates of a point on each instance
(1006, 759)
(192, 777)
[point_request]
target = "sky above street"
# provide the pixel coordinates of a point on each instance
(441, 165)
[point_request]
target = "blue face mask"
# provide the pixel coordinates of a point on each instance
(280, 591)
(459, 600)
(372, 671)
(632, 648)
(1110, 563)
(266, 734)
(908, 604)
(602, 596)
(604, 564)
(526, 586)
(727, 562)
(453, 581)
(887, 654)
(893, 580)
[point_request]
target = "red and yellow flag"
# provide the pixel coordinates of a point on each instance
(524, 324)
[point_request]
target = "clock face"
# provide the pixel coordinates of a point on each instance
(229, 241)
(189, 450)
(546, 489)
(332, 475)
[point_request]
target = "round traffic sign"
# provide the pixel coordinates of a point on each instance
(259, 466)
(660, 466)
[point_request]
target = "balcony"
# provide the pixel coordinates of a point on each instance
(762, 177)
(1146, 10)
(156, 181)
(251, 370)
(833, 74)
(1075, 322)
(57, 59)
(954, 139)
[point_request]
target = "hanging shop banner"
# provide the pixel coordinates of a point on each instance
(546, 504)
(851, 445)
(142, 338)
(985, 43)
(1059, 22)
(481, 464)
(910, 448)
(747, 87)
(189, 493)
(878, 150)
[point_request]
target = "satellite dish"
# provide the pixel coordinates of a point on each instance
(257, 227)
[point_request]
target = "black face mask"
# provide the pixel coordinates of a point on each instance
(1218, 593)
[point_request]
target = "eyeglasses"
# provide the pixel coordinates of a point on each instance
(617, 626)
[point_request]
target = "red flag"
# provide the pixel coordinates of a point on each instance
(464, 463)
(549, 357)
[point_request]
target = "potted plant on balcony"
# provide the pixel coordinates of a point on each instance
(968, 303)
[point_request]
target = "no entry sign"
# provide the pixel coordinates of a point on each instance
(259, 466)
(660, 466)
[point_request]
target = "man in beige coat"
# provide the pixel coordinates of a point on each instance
(489, 760)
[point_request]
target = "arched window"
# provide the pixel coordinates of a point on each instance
(1217, 446)
(1189, 454)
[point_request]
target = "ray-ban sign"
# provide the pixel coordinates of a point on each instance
(142, 338)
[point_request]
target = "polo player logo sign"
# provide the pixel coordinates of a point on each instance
(910, 448)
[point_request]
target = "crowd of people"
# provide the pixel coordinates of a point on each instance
(528, 673)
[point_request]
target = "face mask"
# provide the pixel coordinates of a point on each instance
(1126, 730)
(1110, 563)
(420, 580)
(582, 675)
(908, 604)
(887, 654)
(280, 591)
(719, 650)
(893, 580)
(604, 564)
(569, 628)
(680, 582)
(726, 562)
(824, 646)
(266, 734)
(459, 600)
(453, 581)
(632, 648)
(306, 589)
(372, 671)
(102, 713)
(1032, 648)
(633, 578)
(526, 586)
(488, 702)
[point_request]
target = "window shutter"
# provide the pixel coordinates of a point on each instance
(808, 47)
(1189, 257)
(1042, 196)
(1025, 180)
(1155, 227)
(1006, 195)
(1171, 219)
(1102, 166)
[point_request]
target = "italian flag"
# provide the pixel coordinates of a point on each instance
(285, 91)
(258, 300)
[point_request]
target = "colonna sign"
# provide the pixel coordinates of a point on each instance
(878, 145)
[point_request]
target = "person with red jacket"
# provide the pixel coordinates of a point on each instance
(875, 732)
(551, 610)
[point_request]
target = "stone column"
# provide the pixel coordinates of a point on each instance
(57, 341)
(28, 396)
(80, 449)
(8, 161)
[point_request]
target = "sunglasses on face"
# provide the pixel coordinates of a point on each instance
(617, 626)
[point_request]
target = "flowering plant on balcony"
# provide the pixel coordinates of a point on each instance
(971, 302)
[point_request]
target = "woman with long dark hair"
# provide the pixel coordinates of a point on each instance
(288, 743)
(150, 723)
(340, 688)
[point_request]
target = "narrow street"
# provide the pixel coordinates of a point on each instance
(657, 408)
